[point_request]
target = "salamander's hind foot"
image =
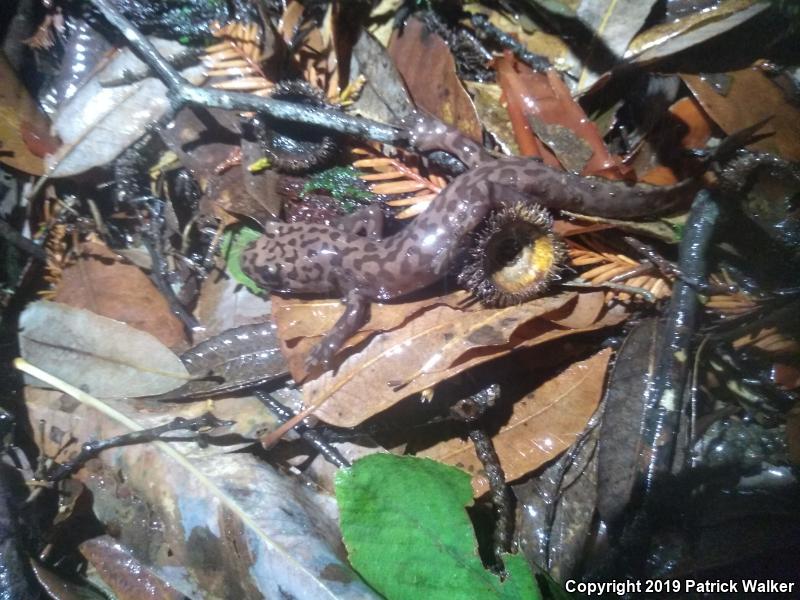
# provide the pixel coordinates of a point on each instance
(319, 359)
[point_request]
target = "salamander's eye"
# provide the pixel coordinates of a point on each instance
(515, 257)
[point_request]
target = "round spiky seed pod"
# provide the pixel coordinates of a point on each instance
(515, 256)
(294, 147)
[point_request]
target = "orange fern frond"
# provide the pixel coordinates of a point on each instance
(399, 182)
(235, 60)
(607, 264)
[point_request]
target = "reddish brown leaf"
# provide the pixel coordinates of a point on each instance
(127, 577)
(550, 124)
(108, 285)
(751, 98)
(542, 425)
(435, 88)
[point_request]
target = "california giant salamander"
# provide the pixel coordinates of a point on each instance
(351, 258)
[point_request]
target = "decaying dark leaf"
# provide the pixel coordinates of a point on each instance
(176, 505)
(621, 427)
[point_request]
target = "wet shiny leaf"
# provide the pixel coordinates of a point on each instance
(24, 129)
(542, 425)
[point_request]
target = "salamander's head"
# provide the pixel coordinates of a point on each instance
(515, 258)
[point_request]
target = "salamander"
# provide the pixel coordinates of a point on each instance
(353, 259)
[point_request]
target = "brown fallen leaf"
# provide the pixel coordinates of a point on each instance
(108, 285)
(542, 425)
(302, 323)
(698, 124)
(750, 98)
(435, 88)
(360, 387)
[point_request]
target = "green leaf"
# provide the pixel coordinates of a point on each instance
(234, 242)
(407, 533)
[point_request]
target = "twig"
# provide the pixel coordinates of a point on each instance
(470, 411)
(619, 287)
(311, 436)
(92, 449)
(669, 378)
(486, 31)
(17, 239)
(181, 92)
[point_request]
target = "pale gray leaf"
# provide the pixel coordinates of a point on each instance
(614, 23)
(105, 357)
(212, 526)
(384, 96)
(98, 123)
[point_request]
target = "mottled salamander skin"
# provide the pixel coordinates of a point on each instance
(308, 258)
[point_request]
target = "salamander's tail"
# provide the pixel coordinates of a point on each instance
(715, 157)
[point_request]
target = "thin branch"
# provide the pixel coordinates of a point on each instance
(182, 92)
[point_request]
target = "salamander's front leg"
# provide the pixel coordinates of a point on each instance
(355, 315)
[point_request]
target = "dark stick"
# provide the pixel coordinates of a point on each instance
(92, 449)
(487, 31)
(17, 239)
(182, 92)
(672, 367)
(470, 410)
(311, 436)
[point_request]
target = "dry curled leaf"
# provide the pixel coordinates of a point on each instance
(106, 284)
(542, 424)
